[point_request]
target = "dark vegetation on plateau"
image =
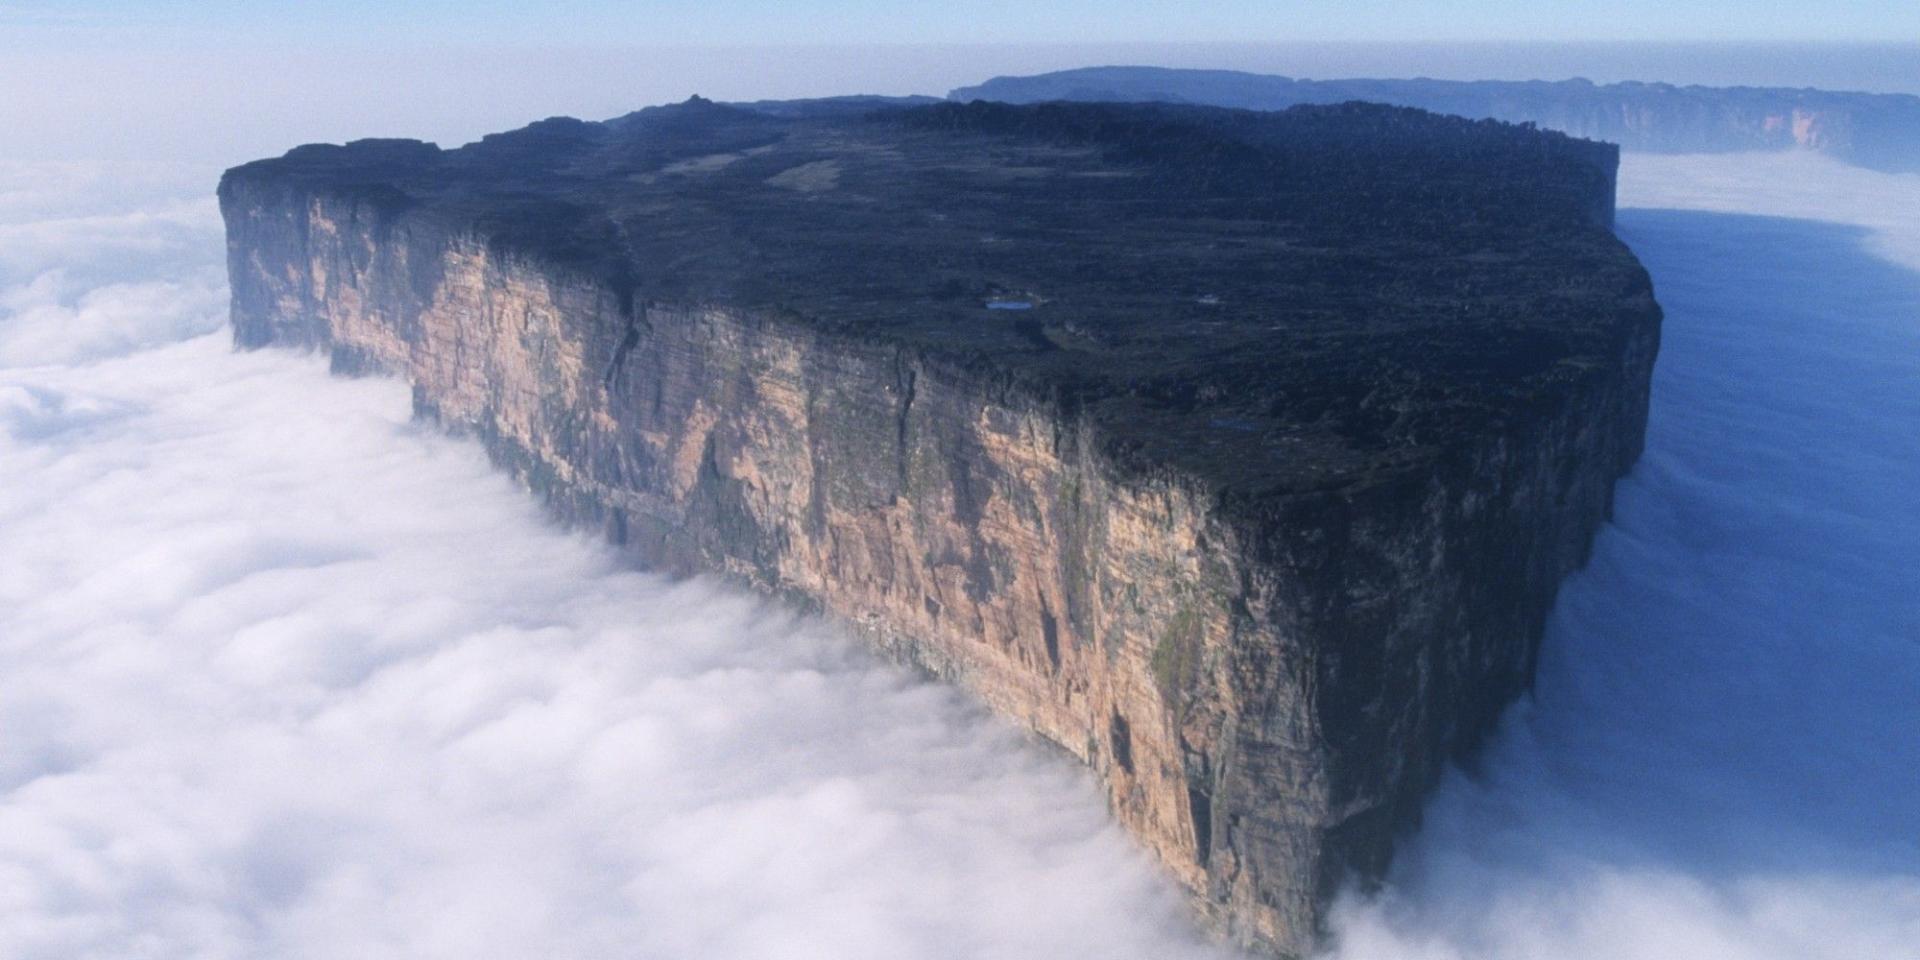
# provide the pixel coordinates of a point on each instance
(1285, 301)
(1876, 130)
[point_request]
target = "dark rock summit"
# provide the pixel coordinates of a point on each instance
(1240, 454)
(1876, 130)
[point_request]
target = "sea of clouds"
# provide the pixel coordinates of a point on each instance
(283, 674)
(1721, 760)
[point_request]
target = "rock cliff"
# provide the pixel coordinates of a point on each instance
(1879, 131)
(1238, 454)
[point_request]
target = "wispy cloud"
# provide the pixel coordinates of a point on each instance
(283, 674)
(1719, 760)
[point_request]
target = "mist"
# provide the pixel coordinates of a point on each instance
(213, 101)
(285, 674)
(1719, 760)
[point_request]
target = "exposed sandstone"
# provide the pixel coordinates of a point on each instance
(1258, 510)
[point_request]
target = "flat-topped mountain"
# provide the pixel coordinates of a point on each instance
(1880, 131)
(1238, 453)
(1270, 301)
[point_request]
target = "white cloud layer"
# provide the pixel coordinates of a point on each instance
(1720, 760)
(285, 675)
(1800, 185)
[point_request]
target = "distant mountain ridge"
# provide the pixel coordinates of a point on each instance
(1880, 131)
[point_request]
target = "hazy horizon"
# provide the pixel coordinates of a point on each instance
(331, 685)
(158, 101)
(285, 673)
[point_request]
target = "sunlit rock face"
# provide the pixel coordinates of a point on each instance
(1257, 508)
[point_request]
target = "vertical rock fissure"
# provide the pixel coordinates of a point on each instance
(1050, 633)
(1200, 806)
(1281, 669)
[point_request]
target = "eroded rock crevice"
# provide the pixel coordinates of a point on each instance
(1265, 628)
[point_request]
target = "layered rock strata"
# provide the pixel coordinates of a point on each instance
(1240, 456)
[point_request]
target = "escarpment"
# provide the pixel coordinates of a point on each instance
(1239, 454)
(1876, 130)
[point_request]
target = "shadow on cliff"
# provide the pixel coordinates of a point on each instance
(1719, 759)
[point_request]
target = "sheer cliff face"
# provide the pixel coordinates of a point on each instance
(1267, 685)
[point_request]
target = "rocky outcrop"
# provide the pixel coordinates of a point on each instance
(1263, 538)
(1879, 131)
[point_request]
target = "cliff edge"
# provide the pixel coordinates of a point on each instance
(1239, 454)
(1879, 131)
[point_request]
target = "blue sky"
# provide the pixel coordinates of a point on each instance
(218, 81)
(705, 22)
